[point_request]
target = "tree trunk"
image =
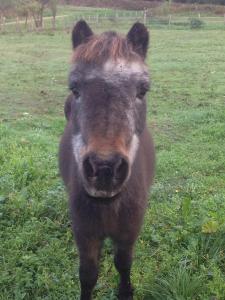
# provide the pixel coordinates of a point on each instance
(38, 18)
(41, 16)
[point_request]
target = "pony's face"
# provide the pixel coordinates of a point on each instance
(109, 81)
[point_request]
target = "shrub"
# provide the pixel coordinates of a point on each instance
(196, 23)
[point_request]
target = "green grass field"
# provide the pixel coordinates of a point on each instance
(180, 254)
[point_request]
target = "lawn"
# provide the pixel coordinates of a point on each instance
(180, 254)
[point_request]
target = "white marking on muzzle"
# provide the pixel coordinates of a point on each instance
(77, 145)
(133, 148)
(100, 194)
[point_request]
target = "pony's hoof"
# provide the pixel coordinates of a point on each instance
(126, 295)
(123, 297)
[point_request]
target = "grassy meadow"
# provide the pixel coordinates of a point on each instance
(180, 254)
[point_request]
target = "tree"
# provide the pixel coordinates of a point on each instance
(26, 8)
(23, 9)
(53, 7)
(37, 10)
(6, 7)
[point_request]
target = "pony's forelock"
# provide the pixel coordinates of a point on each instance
(103, 47)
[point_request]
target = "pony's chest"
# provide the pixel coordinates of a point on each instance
(109, 221)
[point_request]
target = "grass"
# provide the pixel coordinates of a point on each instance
(180, 252)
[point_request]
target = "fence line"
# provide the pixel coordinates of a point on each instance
(65, 22)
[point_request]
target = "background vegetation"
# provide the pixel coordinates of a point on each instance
(180, 254)
(28, 8)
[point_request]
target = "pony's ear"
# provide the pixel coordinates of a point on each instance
(138, 37)
(81, 33)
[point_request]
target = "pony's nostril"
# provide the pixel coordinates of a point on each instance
(121, 169)
(88, 167)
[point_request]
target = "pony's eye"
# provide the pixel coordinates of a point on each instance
(141, 93)
(76, 93)
(142, 90)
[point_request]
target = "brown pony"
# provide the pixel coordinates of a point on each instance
(106, 152)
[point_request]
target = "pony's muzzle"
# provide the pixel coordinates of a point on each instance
(104, 176)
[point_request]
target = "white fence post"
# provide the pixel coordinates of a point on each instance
(32, 24)
(3, 23)
(145, 16)
(17, 24)
(170, 19)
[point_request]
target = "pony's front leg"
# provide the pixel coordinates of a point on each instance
(123, 262)
(89, 251)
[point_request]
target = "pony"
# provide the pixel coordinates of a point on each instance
(106, 155)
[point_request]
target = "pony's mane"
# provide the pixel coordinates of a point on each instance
(108, 45)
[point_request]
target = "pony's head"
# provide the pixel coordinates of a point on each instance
(109, 80)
